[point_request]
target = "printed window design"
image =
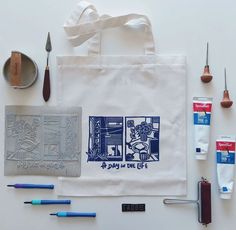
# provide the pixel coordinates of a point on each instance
(142, 138)
(105, 138)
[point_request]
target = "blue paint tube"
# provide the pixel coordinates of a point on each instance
(225, 158)
(202, 119)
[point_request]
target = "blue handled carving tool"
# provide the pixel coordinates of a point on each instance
(74, 214)
(31, 186)
(45, 202)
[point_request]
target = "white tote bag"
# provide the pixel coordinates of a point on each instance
(134, 112)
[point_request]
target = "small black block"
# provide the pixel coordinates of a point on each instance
(133, 207)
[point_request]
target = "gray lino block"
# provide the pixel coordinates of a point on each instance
(42, 140)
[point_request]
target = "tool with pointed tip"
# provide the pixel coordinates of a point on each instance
(74, 214)
(226, 102)
(32, 186)
(47, 202)
(206, 76)
(46, 83)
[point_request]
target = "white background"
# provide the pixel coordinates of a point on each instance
(180, 27)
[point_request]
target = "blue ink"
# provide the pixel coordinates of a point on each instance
(113, 166)
(104, 165)
(141, 165)
(130, 123)
(117, 166)
(143, 130)
(105, 139)
(142, 138)
(131, 165)
(198, 150)
(224, 189)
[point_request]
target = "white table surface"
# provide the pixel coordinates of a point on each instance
(180, 27)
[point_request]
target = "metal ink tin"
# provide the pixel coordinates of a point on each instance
(29, 72)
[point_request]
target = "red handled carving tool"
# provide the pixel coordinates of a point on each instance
(46, 82)
(226, 102)
(206, 76)
(203, 202)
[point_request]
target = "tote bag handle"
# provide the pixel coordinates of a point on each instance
(84, 12)
(85, 23)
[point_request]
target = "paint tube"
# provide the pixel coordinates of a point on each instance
(202, 120)
(225, 158)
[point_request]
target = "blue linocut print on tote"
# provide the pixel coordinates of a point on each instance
(105, 138)
(142, 138)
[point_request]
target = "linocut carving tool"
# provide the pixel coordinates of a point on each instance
(32, 186)
(46, 202)
(74, 214)
(226, 102)
(203, 202)
(46, 83)
(206, 76)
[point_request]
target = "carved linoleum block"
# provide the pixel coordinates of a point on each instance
(42, 140)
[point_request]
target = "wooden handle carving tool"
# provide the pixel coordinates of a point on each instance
(46, 83)
(206, 76)
(15, 69)
(203, 202)
(226, 102)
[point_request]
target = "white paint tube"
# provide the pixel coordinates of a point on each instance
(225, 158)
(202, 120)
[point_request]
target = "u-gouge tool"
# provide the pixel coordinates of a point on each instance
(226, 102)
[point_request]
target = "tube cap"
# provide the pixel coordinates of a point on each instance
(201, 157)
(225, 196)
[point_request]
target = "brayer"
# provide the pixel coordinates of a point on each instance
(203, 202)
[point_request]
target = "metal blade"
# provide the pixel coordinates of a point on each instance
(207, 54)
(225, 80)
(48, 43)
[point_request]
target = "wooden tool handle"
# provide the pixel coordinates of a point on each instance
(46, 84)
(15, 69)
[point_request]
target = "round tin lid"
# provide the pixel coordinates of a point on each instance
(28, 75)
